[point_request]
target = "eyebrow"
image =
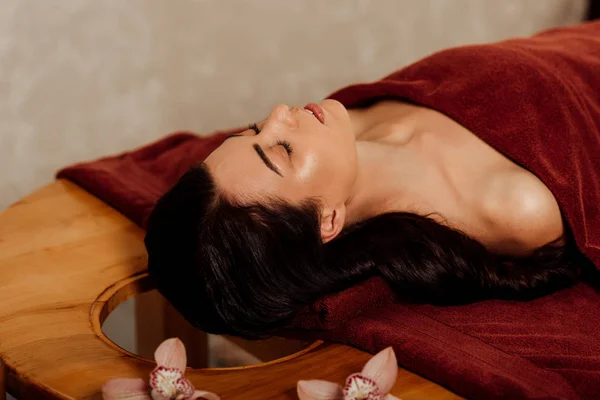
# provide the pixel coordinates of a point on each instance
(266, 160)
(262, 155)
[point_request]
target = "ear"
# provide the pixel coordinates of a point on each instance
(332, 222)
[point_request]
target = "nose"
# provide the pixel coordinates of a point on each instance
(281, 114)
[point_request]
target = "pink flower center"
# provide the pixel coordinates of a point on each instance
(170, 383)
(360, 387)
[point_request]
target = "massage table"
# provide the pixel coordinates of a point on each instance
(67, 260)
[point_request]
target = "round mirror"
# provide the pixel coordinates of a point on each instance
(142, 322)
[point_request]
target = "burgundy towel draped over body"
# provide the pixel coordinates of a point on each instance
(537, 101)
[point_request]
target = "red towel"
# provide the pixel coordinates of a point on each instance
(536, 100)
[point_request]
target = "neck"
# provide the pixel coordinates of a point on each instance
(373, 127)
(373, 123)
(369, 197)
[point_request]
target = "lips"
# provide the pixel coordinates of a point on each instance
(317, 111)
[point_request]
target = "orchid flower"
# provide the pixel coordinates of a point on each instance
(166, 380)
(373, 383)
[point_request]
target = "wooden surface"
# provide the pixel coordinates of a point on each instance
(66, 261)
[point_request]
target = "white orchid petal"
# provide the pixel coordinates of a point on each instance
(184, 387)
(171, 354)
(383, 369)
(203, 394)
(319, 390)
(359, 387)
(157, 396)
(170, 382)
(125, 389)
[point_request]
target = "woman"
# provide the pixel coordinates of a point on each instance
(412, 178)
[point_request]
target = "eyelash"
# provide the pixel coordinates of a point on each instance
(287, 146)
(254, 127)
(283, 143)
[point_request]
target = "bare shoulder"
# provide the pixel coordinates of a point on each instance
(521, 211)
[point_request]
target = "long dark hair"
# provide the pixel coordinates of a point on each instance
(247, 270)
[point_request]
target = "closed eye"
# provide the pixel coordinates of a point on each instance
(283, 143)
(287, 146)
(254, 127)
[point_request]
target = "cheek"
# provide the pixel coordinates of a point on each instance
(319, 162)
(319, 170)
(308, 169)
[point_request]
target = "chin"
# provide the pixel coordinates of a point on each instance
(335, 109)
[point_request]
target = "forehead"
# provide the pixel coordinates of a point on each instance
(239, 172)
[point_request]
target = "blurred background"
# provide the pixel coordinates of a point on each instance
(80, 79)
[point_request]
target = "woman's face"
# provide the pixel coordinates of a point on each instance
(295, 156)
